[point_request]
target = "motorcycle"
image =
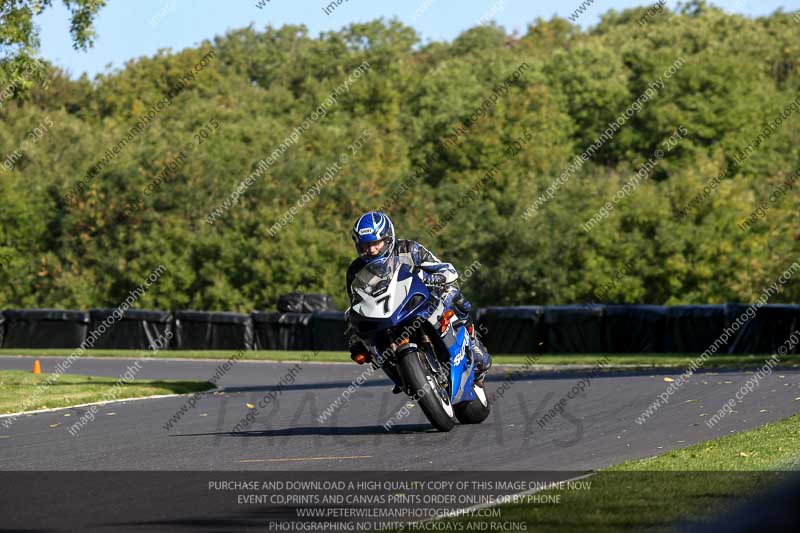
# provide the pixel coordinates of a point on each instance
(418, 342)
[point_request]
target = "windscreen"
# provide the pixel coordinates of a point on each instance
(375, 277)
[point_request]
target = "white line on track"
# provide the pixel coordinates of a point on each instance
(330, 458)
(51, 409)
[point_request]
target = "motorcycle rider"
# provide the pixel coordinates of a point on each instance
(373, 235)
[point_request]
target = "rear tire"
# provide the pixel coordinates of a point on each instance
(474, 411)
(417, 377)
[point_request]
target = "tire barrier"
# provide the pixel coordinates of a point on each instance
(635, 328)
(136, 330)
(574, 329)
(44, 328)
(202, 330)
(283, 331)
(298, 302)
(693, 328)
(768, 329)
(328, 329)
(514, 330)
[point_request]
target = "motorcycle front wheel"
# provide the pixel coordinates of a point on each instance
(431, 397)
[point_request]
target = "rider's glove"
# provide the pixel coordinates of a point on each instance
(436, 280)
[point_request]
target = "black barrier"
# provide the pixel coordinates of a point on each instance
(574, 329)
(298, 302)
(769, 328)
(328, 329)
(201, 330)
(282, 331)
(520, 330)
(45, 328)
(693, 328)
(635, 328)
(511, 329)
(135, 330)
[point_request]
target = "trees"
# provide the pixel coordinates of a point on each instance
(428, 148)
(20, 69)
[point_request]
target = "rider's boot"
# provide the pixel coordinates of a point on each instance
(483, 360)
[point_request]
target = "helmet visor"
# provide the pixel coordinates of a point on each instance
(371, 248)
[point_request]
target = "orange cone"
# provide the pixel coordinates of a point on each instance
(37, 368)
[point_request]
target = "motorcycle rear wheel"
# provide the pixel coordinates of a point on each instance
(474, 411)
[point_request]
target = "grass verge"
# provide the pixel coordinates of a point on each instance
(16, 386)
(677, 361)
(687, 484)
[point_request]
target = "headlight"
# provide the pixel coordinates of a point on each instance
(413, 303)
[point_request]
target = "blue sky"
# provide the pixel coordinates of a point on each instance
(131, 28)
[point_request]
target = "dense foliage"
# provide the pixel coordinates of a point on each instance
(19, 37)
(86, 218)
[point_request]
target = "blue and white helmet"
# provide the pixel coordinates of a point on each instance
(371, 228)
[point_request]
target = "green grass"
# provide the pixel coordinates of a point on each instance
(16, 386)
(689, 483)
(677, 361)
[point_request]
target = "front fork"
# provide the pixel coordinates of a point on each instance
(426, 348)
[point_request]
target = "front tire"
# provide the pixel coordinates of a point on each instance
(474, 411)
(428, 392)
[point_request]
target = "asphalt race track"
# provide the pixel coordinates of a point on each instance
(597, 428)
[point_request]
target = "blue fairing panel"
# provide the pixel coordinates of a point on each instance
(417, 288)
(461, 375)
